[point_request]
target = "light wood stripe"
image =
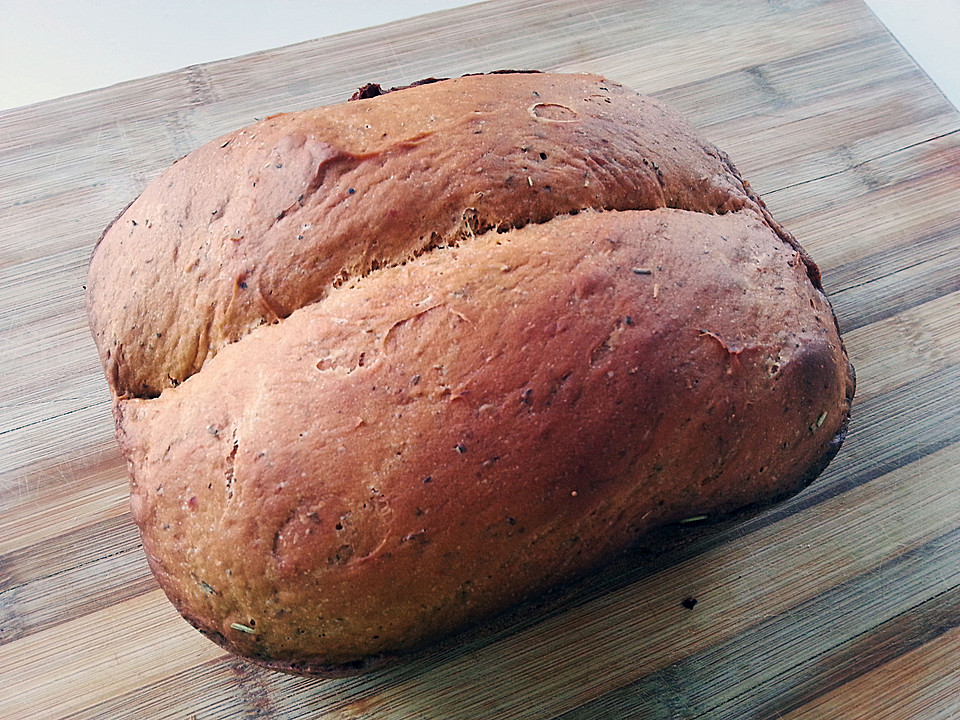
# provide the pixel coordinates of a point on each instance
(49, 674)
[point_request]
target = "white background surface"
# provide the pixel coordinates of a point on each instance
(51, 48)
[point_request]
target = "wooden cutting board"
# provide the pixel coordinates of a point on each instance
(843, 602)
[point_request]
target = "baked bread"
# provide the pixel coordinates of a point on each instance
(385, 369)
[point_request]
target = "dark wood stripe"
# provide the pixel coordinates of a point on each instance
(69, 551)
(903, 289)
(793, 658)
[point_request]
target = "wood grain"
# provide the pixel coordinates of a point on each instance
(843, 602)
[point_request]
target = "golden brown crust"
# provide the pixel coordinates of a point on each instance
(455, 430)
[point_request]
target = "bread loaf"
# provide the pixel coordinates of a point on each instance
(383, 370)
